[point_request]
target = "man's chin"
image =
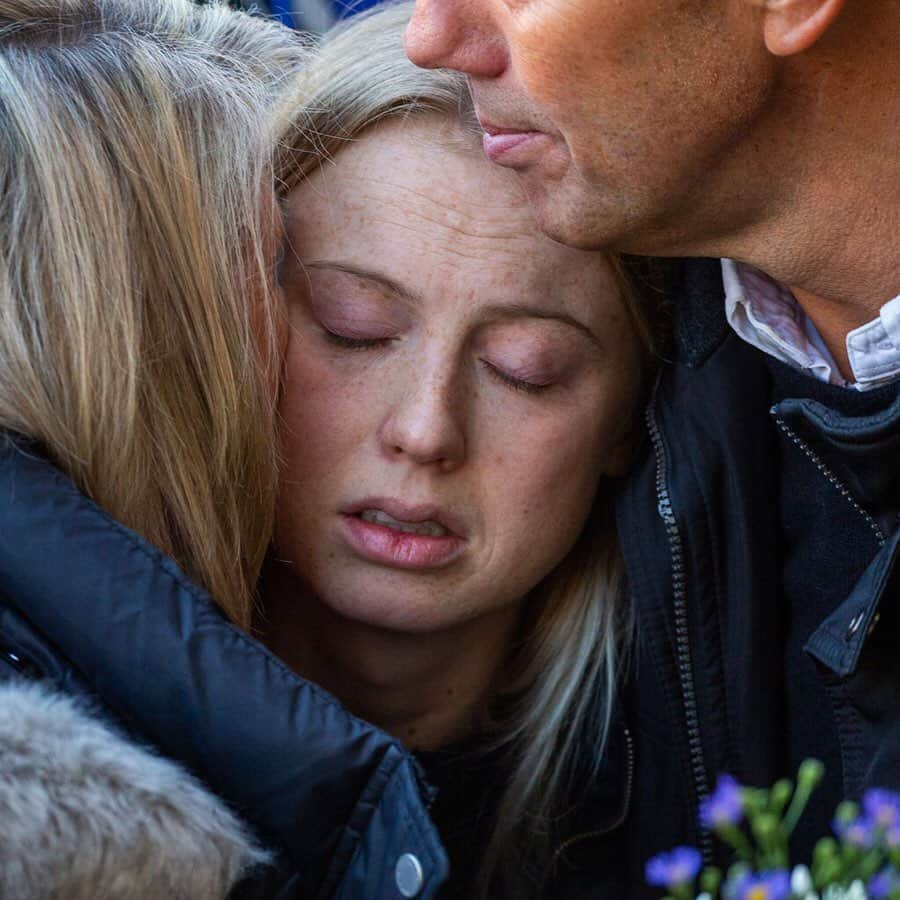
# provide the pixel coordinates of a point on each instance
(570, 212)
(564, 216)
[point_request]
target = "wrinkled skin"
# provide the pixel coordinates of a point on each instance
(647, 108)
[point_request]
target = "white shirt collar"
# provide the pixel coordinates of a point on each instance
(765, 314)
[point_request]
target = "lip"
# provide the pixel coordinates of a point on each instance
(400, 549)
(509, 146)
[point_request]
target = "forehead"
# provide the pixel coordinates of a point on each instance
(419, 202)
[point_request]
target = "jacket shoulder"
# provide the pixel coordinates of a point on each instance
(89, 605)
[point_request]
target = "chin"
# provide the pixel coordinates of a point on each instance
(574, 212)
(569, 217)
(387, 611)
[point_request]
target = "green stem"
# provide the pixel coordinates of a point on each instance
(737, 840)
(796, 808)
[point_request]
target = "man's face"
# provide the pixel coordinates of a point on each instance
(627, 120)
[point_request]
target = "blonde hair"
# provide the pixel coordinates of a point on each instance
(567, 663)
(137, 328)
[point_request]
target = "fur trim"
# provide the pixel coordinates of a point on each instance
(86, 814)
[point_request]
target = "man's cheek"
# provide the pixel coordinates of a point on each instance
(553, 54)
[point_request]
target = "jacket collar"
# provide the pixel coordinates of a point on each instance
(692, 293)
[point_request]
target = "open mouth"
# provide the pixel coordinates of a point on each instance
(408, 537)
(428, 528)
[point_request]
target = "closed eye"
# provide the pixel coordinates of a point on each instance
(354, 343)
(517, 384)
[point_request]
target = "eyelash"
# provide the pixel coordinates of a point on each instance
(517, 384)
(349, 343)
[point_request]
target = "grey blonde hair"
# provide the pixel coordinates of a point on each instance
(567, 662)
(137, 330)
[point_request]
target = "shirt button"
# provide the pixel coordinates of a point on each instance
(875, 620)
(408, 875)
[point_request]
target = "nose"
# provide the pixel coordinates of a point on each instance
(456, 34)
(426, 425)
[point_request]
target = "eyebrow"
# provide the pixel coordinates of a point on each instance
(523, 311)
(395, 287)
(498, 310)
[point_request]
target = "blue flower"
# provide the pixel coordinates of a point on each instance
(882, 883)
(882, 807)
(860, 832)
(775, 885)
(674, 869)
(723, 807)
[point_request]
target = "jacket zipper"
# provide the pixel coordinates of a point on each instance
(823, 468)
(682, 637)
(626, 806)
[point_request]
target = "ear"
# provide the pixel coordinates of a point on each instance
(792, 26)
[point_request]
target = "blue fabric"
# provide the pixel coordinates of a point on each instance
(283, 11)
(343, 9)
(92, 606)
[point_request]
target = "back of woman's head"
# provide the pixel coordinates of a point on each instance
(136, 321)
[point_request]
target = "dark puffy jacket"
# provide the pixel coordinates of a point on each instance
(87, 605)
(701, 528)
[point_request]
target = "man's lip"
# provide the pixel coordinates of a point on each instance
(500, 142)
(410, 512)
(497, 147)
(494, 130)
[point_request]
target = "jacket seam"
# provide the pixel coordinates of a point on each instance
(849, 732)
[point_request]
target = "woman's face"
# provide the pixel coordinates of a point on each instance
(456, 384)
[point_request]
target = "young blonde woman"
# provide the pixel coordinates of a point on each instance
(140, 346)
(459, 391)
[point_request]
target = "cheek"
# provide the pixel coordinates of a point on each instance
(321, 416)
(555, 46)
(542, 495)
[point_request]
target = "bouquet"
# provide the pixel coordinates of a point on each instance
(861, 861)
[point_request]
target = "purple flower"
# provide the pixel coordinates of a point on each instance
(775, 885)
(859, 832)
(882, 883)
(882, 807)
(892, 837)
(723, 807)
(673, 869)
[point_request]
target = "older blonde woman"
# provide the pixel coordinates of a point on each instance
(460, 392)
(139, 353)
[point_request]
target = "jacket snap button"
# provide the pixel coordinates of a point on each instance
(855, 622)
(22, 666)
(408, 875)
(13, 659)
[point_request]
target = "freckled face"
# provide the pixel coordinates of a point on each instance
(634, 107)
(456, 384)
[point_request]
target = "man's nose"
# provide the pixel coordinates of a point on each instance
(456, 34)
